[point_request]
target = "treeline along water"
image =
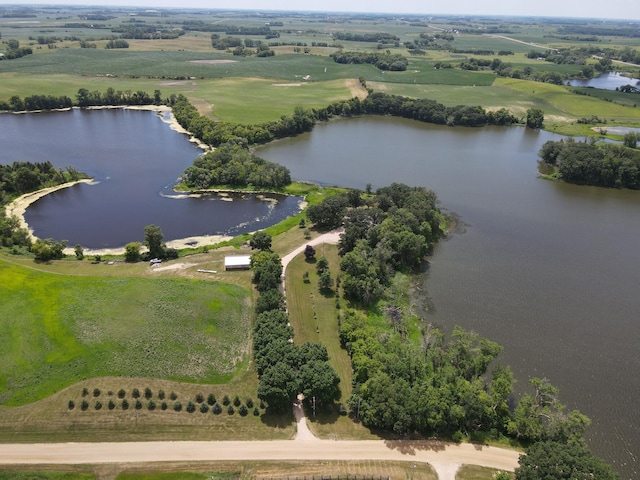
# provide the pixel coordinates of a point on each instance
(550, 271)
(136, 159)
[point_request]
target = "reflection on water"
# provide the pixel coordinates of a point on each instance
(607, 81)
(550, 271)
(135, 159)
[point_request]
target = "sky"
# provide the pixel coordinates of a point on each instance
(612, 9)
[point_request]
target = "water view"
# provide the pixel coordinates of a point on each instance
(135, 159)
(548, 270)
(607, 81)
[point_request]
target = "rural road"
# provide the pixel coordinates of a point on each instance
(445, 458)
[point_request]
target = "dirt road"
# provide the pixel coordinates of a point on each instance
(439, 455)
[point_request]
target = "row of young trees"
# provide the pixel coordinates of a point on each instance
(285, 369)
(589, 163)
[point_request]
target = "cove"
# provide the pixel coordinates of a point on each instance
(135, 159)
(549, 270)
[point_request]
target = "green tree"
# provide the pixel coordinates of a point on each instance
(322, 265)
(79, 251)
(320, 381)
(558, 461)
(631, 139)
(261, 241)
(535, 118)
(325, 282)
(278, 386)
(153, 241)
(132, 252)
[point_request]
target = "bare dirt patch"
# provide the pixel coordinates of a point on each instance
(356, 88)
(213, 62)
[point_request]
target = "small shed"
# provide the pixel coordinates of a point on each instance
(237, 262)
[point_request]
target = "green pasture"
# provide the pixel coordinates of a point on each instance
(61, 329)
(44, 475)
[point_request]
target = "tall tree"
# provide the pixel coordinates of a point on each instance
(153, 241)
(535, 118)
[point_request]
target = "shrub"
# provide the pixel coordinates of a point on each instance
(111, 405)
(85, 391)
(243, 410)
(199, 397)
(231, 410)
(225, 400)
(191, 407)
(110, 393)
(249, 403)
(84, 405)
(342, 409)
(161, 394)
(125, 404)
(177, 406)
(135, 393)
(138, 405)
(173, 395)
(211, 399)
(262, 404)
(151, 405)
(163, 406)
(204, 408)
(98, 405)
(148, 393)
(256, 412)
(216, 409)
(71, 405)
(236, 401)
(96, 392)
(121, 393)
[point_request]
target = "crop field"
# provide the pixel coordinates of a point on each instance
(59, 330)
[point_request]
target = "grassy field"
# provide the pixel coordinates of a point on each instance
(62, 329)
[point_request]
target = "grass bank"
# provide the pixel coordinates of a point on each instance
(61, 329)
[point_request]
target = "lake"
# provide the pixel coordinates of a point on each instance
(607, 81)
(135, 159)
(550, 271)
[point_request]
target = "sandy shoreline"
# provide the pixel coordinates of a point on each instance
(19, 206)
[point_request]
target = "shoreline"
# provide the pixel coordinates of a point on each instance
(18, 207)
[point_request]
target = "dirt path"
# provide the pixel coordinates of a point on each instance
(444, 457)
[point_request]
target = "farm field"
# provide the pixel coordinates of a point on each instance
(80, 333)
(62, 329)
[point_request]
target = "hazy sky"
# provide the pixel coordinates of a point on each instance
(617, 9)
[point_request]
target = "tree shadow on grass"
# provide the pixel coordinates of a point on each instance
(278, 419)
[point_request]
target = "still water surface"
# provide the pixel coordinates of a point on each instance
(136, 159)
(550, 271)
(607, 81)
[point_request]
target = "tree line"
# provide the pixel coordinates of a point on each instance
(85, 98)
(284, 368)
(382, 61)
(25, 177)
(437, 386)
(594, 163)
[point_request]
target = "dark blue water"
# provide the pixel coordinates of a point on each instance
(135, 159)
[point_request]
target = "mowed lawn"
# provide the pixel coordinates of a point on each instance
(58, 330)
